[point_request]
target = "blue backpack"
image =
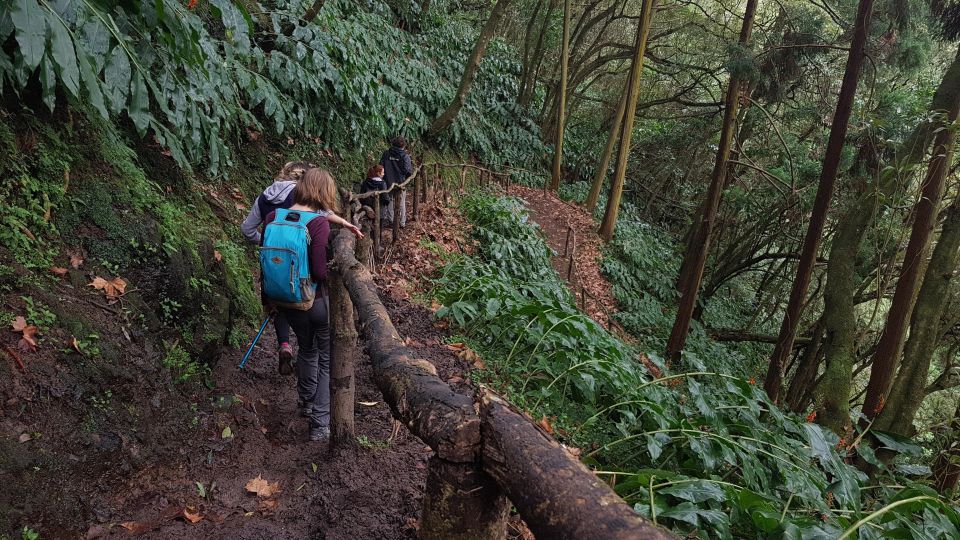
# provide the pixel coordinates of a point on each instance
(284, 260)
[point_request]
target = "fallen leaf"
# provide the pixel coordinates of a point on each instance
(368, 403)
(263, 430)
(29, 340)
(137, 527)
(112, 289)
(457, 347)
(76, 261)
(19, 323)
(290, 141)
(192, 515)
(25, 437)
(268, 505)
(217, 256)
(261, 487)
(74, 345)
(58, 271)
(227, 433)
(545, 424)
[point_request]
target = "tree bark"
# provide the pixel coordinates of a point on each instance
(443, 121)
(528, 84)
(901, 308)
(604, 164)
(562, 107)
(556, 495)
(626, 128)
(925, 331)
(443, 419)
(461, 502)
(343, 352)
(821, 204)
(842, 275)
(806, 373)
(946, 468)
(691, 285)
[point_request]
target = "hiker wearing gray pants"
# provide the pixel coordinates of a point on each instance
(312, 329)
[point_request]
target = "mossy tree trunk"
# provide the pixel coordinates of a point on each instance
(833, 392)
(701, 246)
(443, 121)
(906, 394)
(344, 351)
(626, 128)
(821, 204)
(562, 106)
(901, 307)
(601, 174)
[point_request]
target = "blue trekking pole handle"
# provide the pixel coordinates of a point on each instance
(255, 340)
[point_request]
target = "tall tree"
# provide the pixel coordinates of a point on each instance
(901, 307)
(443, 121)
(821, 204)
(626, 127)
(562, 108)
(926, 330)
(842, 269)
(601, 174)
(691, 285)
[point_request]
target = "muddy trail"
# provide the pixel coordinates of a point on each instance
(372, 491)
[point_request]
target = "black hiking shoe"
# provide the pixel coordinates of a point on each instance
(319, 433)
(286, 359)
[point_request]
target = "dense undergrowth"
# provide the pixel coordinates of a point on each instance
(693, 448)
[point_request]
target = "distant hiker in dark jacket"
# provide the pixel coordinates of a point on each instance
(397, 168)
(375, 182)
(316, 192)
(280, 194)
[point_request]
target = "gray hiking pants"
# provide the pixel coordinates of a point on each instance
(386, 211)
(312, 328)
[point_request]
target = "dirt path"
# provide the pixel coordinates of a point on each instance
(557, 217)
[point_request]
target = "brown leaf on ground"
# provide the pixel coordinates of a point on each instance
(76, 261)
(74, 345)
(545, 424)
(192, 515)
(58, 271)
(267, 505)
(217, 256)
(18, 324)
(29, 340)
(137, 527)
(261, 487)
(112, 289)
(25, 437)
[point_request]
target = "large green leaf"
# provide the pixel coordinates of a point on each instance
(61, 48)
(897, 443)
(696, 491)
(116, 76)
(30, 23)
(91, 83)
(139, 109)
(48, 83)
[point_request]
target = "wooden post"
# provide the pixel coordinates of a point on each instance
(365, 246)
(426, 185)
(583, 298)
(377, 230)
(396, 215)
(342, 354)
(416, 201)
(463, 179)
(462, 503)
(566, 243)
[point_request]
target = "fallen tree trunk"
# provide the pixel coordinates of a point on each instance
(556, 495)
(443, 419)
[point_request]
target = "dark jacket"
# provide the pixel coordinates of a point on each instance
(396, 165)
(375, 184)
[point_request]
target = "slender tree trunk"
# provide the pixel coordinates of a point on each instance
(626, 128)
(443, 121)
(526, 67)
(842, 275)
(528, 85)
(604, 164)
(925, 331)
(562, 104)
(946, 468)
(901, 308)
(691, 285)
(806, 373)
(818, 218)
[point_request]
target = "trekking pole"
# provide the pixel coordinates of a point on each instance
(255, 340)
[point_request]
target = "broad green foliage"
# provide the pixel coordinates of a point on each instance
(701, 452)
(196, 79)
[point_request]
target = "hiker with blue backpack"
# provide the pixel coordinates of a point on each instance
(278, 195)
(293, 260)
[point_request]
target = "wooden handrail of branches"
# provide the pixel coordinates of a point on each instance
(556, 495)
